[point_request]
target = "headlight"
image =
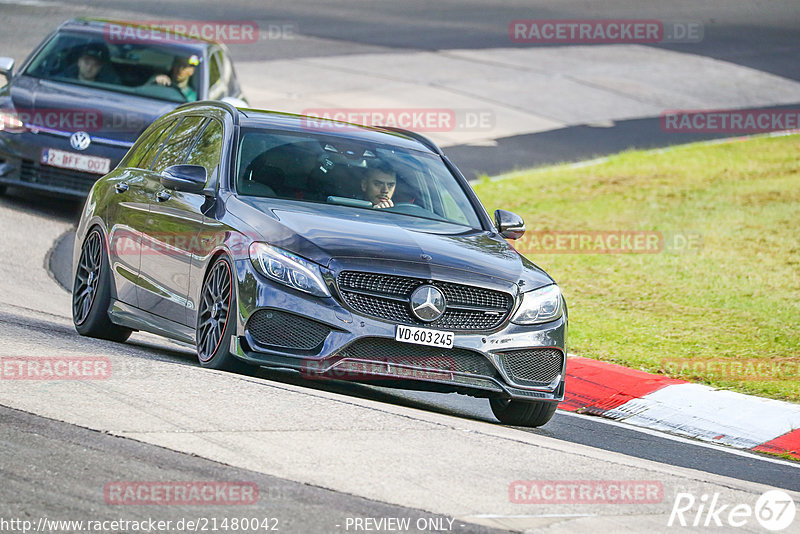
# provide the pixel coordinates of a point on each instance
(288, 269)
(10, 122)
(539, 306)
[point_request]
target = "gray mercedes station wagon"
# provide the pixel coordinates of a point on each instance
(339, 251)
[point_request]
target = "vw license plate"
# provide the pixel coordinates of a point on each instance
(424, 336)
(78, 162)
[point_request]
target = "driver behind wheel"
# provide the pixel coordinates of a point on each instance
(378, 186)
(179, 75)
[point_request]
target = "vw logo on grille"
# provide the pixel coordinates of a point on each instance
(427, 303)
(80, 140)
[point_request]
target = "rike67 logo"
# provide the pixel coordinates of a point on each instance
(774, 510)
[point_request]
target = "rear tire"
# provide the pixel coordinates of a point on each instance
(3, 189)
(91, 292)
(523, 413)
(216, 319)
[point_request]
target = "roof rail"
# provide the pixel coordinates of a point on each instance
(419, 137)
(227, 106)
(230, 108)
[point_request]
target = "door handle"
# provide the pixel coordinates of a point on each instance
(121, 187)
(163, 196)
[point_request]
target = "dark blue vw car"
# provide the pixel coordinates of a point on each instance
(73, 109)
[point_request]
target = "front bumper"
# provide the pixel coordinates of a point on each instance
(21, 154)
(276, 328)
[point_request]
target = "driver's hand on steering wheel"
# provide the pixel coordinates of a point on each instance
(384, 203)
(163, 79)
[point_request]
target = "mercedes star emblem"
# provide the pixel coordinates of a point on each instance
(427, 303)
(80, 140)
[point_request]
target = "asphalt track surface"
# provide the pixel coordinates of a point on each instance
(566, 426)
(760, 34)
(73, 462)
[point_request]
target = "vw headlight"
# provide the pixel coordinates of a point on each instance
(11, 122)
(540, 306)
(288, 269)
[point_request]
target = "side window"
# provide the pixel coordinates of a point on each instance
(451, 209)
(174, 152)
(141, 145)
(229, 77)
(216, 89)
(208, 150)
(142, 154)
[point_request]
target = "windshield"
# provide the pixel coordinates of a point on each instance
(333, 170)
(153, 71)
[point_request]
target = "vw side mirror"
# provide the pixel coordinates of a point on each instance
(6, 66)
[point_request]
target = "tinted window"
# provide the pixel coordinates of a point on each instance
(359, 174)
(175, 150)
(216, 88)
(147, 146)
(208, 149)
(228, 76)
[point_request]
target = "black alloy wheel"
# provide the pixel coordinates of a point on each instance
(87, 278)
(215, 322)
(91, 292)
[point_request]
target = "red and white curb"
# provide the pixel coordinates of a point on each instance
(680, 407)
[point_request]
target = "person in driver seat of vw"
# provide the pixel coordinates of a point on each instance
(179, 75)
(378, 186)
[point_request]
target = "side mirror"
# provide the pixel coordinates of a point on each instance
(6, 66)
(509, 224)
(186, 178)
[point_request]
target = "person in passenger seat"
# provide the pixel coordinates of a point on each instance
(93, 65)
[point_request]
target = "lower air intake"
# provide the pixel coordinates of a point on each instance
(273, 328)
(533, 366)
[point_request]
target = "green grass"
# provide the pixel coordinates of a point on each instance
(694, 314)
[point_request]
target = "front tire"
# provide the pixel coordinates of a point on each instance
(523, 413)
(216, 319)
(91, 292)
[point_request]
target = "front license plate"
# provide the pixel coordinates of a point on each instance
(78, 162)
(424, 336)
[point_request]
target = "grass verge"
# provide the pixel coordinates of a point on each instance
(717, 300)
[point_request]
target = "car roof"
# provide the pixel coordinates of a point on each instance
(100, 26)
(257, 118)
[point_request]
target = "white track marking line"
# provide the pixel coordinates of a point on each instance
(688, 441)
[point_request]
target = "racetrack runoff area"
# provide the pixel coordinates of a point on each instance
(457, 466)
